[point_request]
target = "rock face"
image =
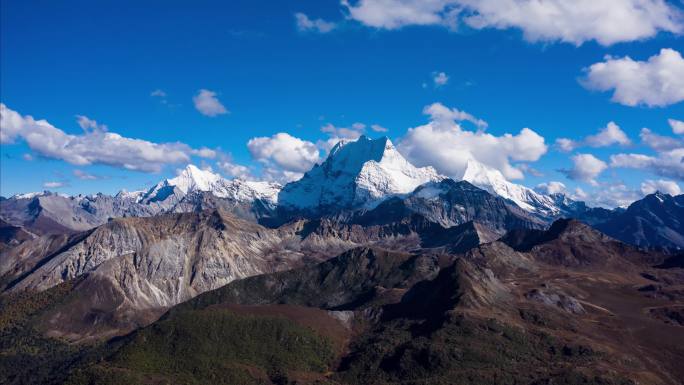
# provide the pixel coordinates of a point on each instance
(655, 221)
(149, 264)
(357, 174)
(451, 203)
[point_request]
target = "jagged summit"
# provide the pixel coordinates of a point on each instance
(492, 180)
(192, 179)
(358, 173)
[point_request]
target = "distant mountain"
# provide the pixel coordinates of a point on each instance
(493, 181)
(656, 221)
(356, 174)
(192, 190)
(193, 180)
(450, 203)
(571, 208)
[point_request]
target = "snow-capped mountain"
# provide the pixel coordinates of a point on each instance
(192, 190)
(493, 181)
(356, 174)
(192, 179)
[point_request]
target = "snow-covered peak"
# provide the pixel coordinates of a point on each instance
(30, 195)
(247, 191)
(135, 196)
(192, 179)
(493, 180)
(356, 174)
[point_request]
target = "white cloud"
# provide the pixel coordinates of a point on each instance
(82, 175)
(607, 136)
(205, 152)
(662, 185)
(586, 168)
(606, 21)
(234, 170)
(284, 156)
(659, 142)
(566, 145)
(440, 79)
(88, 124)
(53, 184)
(27, 157)
(440, 112)
(208, 104)
(614, 195)
(305, 24)
(158, 93)
(340, 133)
(378, 128)
(394, 14)
(91, 147)
(667, 163)
(677, 126)
(445, 145)
(552, 187)
(657, 82)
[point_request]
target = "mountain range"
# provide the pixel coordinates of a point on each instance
(357, 177)
(366, 270)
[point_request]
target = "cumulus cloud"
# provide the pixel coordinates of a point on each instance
(284, 156)
(208, 104)
(667, 163)
(607, 136)
(88, 124)
(659, 142)
(234, 170)
(158, 93)
(586, 168)
(440, 79)
(54, 184)
(552, 187)
(442, 113)
(662, 185)
(205, 152)
(91, 147)
(305, 24)
(83, 175)
(613, 195)
(379, 128)
(677, 126)
(445, 145)
(394, 14)
(657, 82)
(566, 144)
(336, 134)
(605, 21)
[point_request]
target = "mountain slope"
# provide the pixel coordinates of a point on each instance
(493, 181)
(131, 269)
(494, 315)
(655, 221)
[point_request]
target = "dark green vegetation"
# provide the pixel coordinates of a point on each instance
(26, 356)
(213, 346)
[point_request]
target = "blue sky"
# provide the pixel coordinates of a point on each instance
(104, 59)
